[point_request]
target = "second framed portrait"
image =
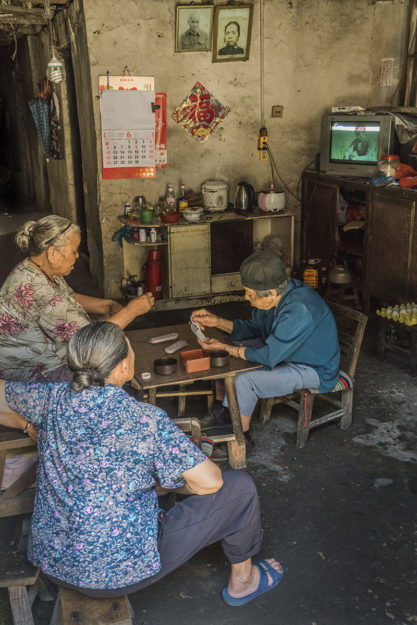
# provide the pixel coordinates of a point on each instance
(232, 31)
(193, 28)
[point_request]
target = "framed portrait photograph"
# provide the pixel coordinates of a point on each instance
(232, 30)
(193, 28)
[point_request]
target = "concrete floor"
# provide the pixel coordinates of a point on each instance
(340, 514)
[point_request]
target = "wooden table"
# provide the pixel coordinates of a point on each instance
(146, 353)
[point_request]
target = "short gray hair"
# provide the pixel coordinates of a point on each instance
(93, 352)
(36, 236)
(279, 289)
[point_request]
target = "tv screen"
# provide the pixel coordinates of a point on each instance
(354, 142)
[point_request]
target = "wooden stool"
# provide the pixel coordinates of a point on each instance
(343, 294)
(72, 607)
(403, 352)
(22, 581)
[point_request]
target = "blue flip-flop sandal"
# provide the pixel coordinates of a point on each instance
(264, 568)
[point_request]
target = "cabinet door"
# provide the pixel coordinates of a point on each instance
(189, 260)
(320, 207)
(388, 244)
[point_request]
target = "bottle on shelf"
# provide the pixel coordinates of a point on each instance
(170, 199)
(182, 200)
(127, 209)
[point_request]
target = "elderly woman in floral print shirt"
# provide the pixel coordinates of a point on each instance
(103, 460)
(39, 312)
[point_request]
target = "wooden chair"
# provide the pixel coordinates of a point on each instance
(24, 583)
(351, 327)
(19, 497)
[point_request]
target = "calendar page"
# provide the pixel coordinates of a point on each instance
(128, 134)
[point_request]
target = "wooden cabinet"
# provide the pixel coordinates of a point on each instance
(189, 266)
(389, 245)
(201, 260)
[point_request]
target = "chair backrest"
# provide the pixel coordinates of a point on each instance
(18, 497)
(351, 326)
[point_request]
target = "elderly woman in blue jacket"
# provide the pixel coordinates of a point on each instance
(292, 334)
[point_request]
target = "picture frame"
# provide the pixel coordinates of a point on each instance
(193, 27)
(232, 32)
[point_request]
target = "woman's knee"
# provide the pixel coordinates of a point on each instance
(243, 384)
(239, 481)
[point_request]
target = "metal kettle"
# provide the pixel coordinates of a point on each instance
(244, 197)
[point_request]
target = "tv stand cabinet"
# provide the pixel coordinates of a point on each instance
(389, 246)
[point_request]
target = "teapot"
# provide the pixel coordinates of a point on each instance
(340, 274)
(244, 197)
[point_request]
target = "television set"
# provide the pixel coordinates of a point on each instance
(352, 145)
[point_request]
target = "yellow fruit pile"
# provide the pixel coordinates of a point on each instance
(403, 313)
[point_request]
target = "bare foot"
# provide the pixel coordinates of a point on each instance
(242, 585)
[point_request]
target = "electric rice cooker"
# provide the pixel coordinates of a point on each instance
(215, 195)
(271, 201)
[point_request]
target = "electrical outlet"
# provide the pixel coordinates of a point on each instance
(277, 111)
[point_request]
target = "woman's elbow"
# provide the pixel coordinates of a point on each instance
(210, 488)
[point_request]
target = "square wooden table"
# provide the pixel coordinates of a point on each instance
(145, 355)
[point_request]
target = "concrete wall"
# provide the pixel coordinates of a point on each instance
(317, 53)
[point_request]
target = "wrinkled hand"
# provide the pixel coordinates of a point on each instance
(212, 345)
(143, 303)
(204, 318)
(114, 307)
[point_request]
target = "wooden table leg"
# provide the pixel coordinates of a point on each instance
(181, 401)
(237, 448)
(152, 396)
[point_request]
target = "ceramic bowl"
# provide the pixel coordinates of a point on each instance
(165, 366)
(193, 213)
(219, 358)
(170, 218)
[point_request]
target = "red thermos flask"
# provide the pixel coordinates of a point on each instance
(153, 276)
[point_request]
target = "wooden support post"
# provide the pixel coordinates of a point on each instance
(236, 449)
(20, 606)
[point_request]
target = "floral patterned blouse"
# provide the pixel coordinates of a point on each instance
(101, 453)
(37, 318)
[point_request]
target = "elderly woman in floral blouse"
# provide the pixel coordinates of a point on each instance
(103, 460)
(39, 312)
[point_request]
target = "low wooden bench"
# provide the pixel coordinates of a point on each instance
(72, 607)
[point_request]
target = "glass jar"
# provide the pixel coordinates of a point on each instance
(388, 163)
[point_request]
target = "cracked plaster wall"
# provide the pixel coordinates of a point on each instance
(317, 54)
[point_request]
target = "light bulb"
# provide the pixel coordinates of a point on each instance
(55, 70)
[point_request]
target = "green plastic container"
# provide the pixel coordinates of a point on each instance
(146, 216)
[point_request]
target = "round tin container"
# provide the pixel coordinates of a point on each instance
(165, 366)
(219, 358)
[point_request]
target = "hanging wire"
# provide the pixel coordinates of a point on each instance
(261, 61)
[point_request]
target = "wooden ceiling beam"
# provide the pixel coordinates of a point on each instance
(42, 2)
(21, 15)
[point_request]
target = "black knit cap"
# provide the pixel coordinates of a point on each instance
(262, 271)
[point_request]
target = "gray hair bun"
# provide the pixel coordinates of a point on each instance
(24, 235)
(84, 378)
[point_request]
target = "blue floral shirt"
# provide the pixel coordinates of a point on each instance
(101, 453)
